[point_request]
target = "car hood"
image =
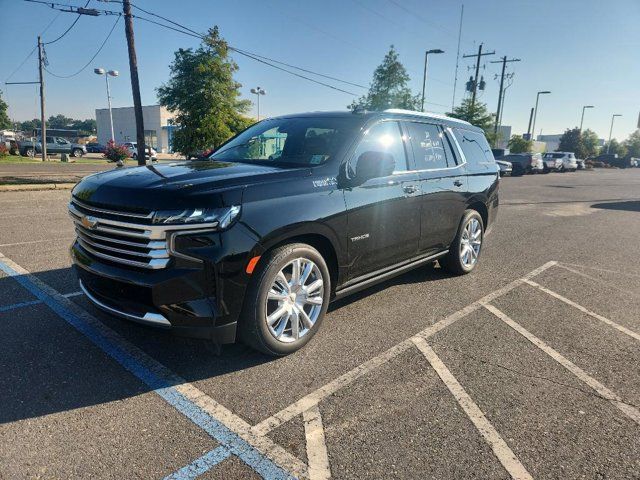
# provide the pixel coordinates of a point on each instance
(177, 185)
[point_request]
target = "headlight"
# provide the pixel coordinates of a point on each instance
(220, 217)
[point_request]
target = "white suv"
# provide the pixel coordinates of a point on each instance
(133, 151)
(560, 162)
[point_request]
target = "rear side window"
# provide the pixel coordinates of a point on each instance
(475, 147)
(428, 148)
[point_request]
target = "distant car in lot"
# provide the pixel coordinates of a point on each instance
(524, 163)
(634, 162)
(560, 162)
(95, 148)
(614, 160)
(505, 167)
(581, 164)
(29, 148)
(133, 151)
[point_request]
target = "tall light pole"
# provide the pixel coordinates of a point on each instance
(107, 74)
(582, 118)
(535, 113)
(424, 77)
(257, 92)
(611, 129)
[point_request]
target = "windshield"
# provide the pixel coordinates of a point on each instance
(306, 141)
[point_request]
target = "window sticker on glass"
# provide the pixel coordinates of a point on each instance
(318, 159)
(427, 146)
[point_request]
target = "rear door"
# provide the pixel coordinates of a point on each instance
(443, 184)
(383, 213)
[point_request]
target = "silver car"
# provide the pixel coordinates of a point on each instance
(560, 162)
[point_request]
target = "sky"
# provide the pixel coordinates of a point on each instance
(584, 51)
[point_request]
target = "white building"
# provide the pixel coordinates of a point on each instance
(552, 141)
(504, 135)
(157, 128)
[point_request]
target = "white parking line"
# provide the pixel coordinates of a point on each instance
(261, 453)
(317, 455)
(35, 241)
(500, 448)
(630, 411)
(598, 280)
(598, 269)
(315, 397)
(597, 316)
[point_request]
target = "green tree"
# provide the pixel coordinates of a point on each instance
(517, 144)
(203, 96)
(60, 121)
(632, 144)
(616, 147)
(477, 115)
(389, 88)
(589, 144)
(583, 144)
(5, 122)
(29, 126)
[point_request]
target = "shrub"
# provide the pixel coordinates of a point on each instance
(115, 152)
(4, 151)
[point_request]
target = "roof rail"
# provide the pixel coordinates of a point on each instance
(426, 115)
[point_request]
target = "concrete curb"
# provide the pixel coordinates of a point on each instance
(36, 186)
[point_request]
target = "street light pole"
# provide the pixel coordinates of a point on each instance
(535, 113)
(582, 118)
(257, 92)
(112, 73)
(611, 129)
(424, 77)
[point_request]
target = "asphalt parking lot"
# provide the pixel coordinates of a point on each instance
(528, 368)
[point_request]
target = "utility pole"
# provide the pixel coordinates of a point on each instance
(479, 55)
(424, 78)
(529, 127)
(135, 82)
(43, 126)
(504, 62)
(613, 117)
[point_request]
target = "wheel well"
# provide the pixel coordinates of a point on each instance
(481, 208)
(324, 246)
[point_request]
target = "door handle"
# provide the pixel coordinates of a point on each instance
(410, 189)
(458, 183)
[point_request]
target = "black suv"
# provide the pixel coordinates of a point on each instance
(295, 211)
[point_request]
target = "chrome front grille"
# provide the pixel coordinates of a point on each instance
(121, 237)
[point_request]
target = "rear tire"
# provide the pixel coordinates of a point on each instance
(283, 309)
(30, 152)
(464, 251)
(76, 153)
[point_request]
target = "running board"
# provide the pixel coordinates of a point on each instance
(387, 273)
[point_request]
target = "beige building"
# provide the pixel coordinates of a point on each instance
(157, 128)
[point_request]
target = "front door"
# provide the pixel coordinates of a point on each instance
(383, 213)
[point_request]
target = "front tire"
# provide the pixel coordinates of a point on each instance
(76, 153)
(464, 251)
(286, 300)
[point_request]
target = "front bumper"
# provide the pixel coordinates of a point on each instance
(181, 300)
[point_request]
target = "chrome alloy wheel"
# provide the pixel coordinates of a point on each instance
(470, 243)
(294, 300)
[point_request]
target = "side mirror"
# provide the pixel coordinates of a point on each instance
(374, 165)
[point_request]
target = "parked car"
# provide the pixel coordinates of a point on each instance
(581, 164)
(292, 213)
(29, 148)
(498, 153)
(525, 162)
(614, 160)
(634, 162)
(560, 162)
(133, 151)
(505, 167)
(94, 147)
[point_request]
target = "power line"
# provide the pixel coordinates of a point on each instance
(92, 58)
(21, 64)
(262, 59)
(68, 29)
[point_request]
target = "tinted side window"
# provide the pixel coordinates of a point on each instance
(452, 161)
(384, 137)
(428, 149)
(474, 146)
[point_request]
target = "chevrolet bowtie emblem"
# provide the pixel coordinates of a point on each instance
(89, 222)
